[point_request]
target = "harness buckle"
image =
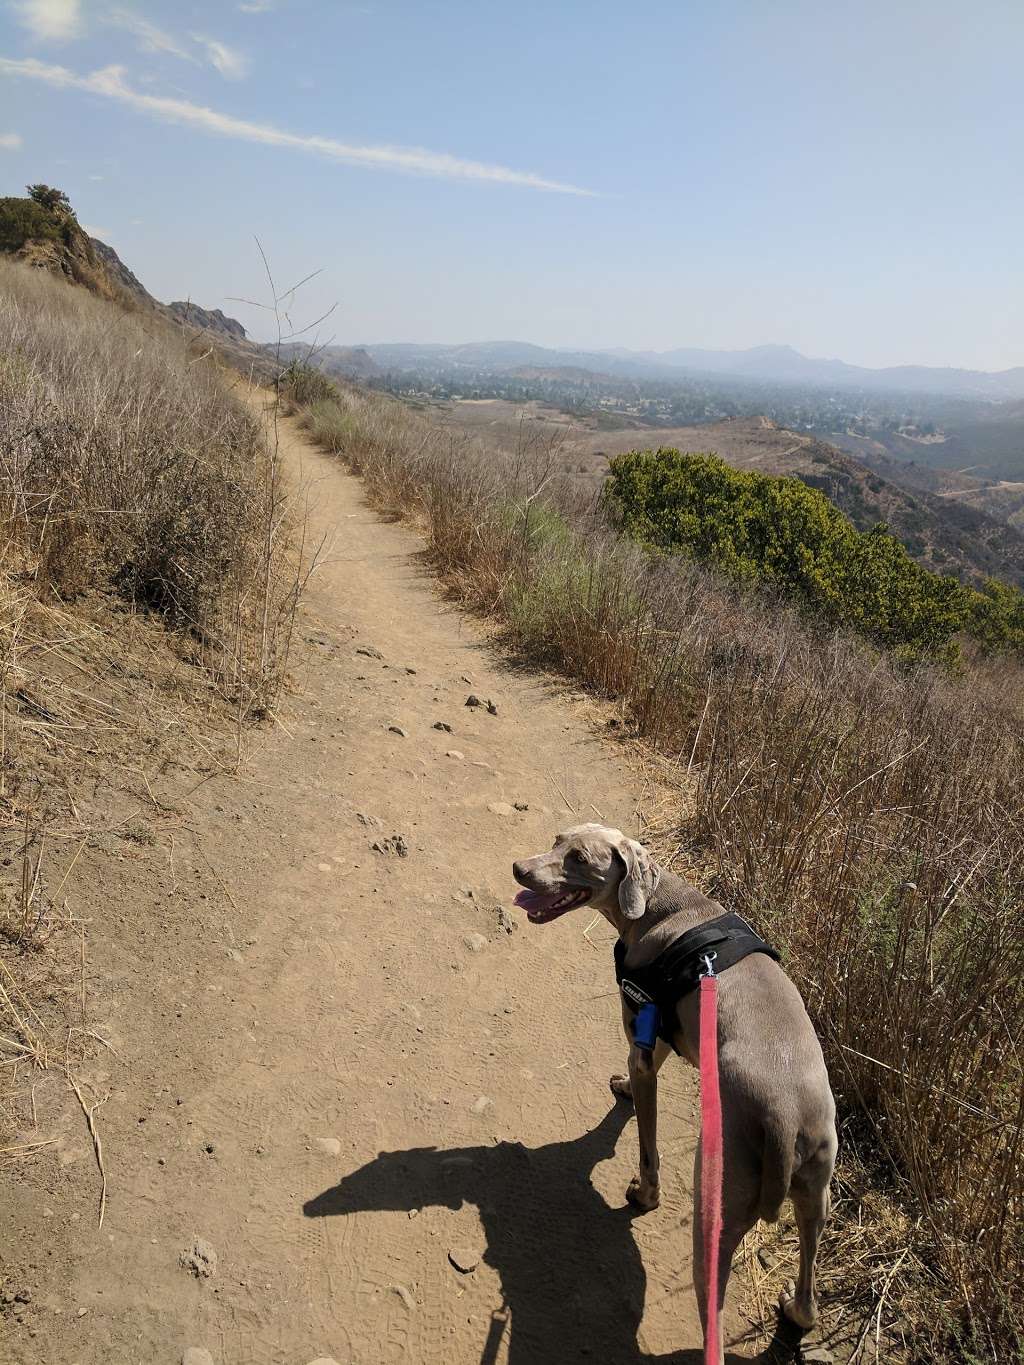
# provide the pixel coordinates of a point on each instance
(708, 959)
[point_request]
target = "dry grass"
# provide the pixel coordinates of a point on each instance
(871, 821)
(147, 588)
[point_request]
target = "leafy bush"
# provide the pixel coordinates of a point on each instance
(781, 533)
(24, 220)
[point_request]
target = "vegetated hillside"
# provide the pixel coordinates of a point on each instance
(983, 439)
(42, 231)
(943, 534)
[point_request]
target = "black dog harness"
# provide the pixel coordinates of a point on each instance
(706, 950)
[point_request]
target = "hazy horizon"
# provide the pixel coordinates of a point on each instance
(716, 176)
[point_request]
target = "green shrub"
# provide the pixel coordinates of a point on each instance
(24, 220)
(787, 536)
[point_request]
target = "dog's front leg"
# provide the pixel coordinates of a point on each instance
(645, 1187)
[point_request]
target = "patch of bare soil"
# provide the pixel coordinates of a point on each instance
(349, 1108)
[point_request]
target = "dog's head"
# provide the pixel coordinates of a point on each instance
(589, 865)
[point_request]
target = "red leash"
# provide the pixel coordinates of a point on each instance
(711, 1153)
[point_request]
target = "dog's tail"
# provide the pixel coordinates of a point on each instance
(777, 1162)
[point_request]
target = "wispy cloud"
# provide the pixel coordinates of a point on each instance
(110, 84)
(48, 19)
(229, 63)
(151, 38)
(255, 6)
(10, 142)
(148, 35)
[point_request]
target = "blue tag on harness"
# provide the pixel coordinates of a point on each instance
(645, 1026)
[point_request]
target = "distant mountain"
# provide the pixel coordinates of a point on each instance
(774, 364)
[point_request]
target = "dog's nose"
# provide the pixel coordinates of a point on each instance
(519, 871)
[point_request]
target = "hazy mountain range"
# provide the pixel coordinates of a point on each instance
(776, 364)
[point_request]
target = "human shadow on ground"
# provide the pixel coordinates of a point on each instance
(571, 1273)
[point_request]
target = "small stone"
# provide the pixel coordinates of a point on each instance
(234, 955)
(505, 920)
(414, 1213)
(370, 821)
(397, 730)
(369, 652)
(454, 753)
(443, 725)
(161, 1161)
(410, 671)
(394, 843)
(492, 710)
(522, 805)
(23, 1296)
(200, 1258)
(464, 1259)
(473, 700)
(324, 867)
(82, 1312)
(816, 1355)
(482, 1104)
(405, 1296)
(329, 1146)
(196, 1355)
(500, 808)
(476, 943)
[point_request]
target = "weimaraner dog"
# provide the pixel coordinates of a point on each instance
(778, 1113)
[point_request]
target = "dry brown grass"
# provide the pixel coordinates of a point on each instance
(871, 821)
(147, 588)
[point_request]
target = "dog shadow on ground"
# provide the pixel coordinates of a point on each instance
(570, 1270)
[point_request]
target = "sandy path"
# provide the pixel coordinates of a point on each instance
(340, 1067)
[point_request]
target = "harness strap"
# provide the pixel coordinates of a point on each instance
(677, 970)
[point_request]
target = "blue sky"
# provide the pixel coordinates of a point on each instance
(842, 177)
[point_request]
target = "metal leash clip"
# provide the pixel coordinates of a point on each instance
(708, 959)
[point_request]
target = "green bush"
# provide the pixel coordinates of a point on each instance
(24, 220)
(997, 618)
(780, 533)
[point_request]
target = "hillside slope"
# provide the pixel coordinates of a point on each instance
(45, 233)
(943, 533)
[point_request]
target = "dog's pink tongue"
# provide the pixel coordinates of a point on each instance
(534, 900)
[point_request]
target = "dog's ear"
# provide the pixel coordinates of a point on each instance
(641, 878)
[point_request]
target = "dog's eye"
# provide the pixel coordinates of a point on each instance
(580, 856)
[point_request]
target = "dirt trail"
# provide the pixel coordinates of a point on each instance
(339, 1067)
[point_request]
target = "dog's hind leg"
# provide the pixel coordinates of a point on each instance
(811, 1203)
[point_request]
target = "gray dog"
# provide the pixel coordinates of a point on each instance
(778, 1112)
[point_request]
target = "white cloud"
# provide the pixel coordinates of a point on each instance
(104, 234)
(50, 18)
(231, 64)
(10, 142)
(150, 38)
(97, 177)
(110, 84)
(255, 6)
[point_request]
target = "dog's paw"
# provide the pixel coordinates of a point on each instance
(620, 1087)
(802, 1315)
(643, 1195)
